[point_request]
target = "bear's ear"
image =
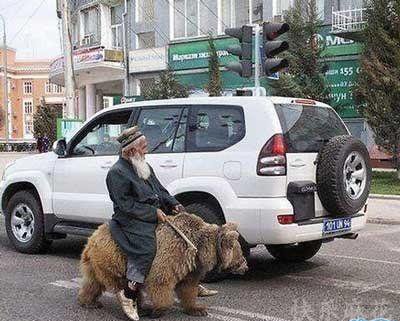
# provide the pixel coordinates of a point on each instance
(226, 241)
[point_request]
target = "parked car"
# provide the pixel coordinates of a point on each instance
(287, 170)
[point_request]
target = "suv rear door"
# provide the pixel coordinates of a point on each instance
(305, 128)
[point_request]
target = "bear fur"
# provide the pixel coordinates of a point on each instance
(176, 266)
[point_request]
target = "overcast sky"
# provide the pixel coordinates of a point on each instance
(39, 37)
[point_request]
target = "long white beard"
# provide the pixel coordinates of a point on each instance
(142, 168)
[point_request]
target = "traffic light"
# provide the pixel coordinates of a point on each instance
(243, 50)
(273, 47)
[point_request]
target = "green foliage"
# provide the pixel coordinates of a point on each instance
(214, 86)
(305, 76)
(45, 121)
(385, 183)
(166, 87)
(378, 86)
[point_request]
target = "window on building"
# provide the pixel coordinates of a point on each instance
(28, 87)
(236, 13)
(57, 89)
(279, 9)
(116, 26)
(48, 87)
(28, 117)
(75, 33)
(146, 40)
(144, 10)
(350, 4)
(193, 18)
(321, 9)
(91, 26)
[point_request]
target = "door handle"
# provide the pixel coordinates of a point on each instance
(169, 164)
(297, 163)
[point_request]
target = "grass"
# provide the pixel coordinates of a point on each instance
(385, 183)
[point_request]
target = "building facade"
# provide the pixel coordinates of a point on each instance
(173, 34)
(28, 87)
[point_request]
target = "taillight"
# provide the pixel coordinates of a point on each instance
(285, 219)
(272, 157)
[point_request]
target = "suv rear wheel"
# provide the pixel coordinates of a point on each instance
(295, 253)
(24, 223)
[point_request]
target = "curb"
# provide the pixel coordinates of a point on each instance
(384, 197)
(384, 221)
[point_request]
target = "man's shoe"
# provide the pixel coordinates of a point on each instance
(203, 291)
(129, 306)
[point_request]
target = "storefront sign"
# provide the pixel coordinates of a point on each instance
(342, 76)
(146, 60)
(195, 54)
(87, 55)
(337, 46)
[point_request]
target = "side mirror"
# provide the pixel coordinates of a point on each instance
(60, 147)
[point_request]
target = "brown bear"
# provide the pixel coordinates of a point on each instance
(177, 267)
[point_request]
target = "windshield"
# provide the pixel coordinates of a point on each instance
(306, 128)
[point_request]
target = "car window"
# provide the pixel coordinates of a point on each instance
(214, 128)
(101, 136)
(179, 143)
(307, 128)
(160, 125)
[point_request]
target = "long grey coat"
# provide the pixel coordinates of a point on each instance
(134, 220)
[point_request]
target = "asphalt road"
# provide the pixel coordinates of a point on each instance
(346, 280)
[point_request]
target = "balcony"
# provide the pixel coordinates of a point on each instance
(91, 65)
(349, 24)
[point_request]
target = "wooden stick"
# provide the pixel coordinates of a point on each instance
(177, 230)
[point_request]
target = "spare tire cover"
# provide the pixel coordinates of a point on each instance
(343, 175)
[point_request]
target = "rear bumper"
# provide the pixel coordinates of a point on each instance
(258, 223)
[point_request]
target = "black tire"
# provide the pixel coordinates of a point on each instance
(38, 242)
(295, 253)
(331, 179)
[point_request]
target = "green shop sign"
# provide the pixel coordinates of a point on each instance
(341, 76)
(337, 46)
(195, 54)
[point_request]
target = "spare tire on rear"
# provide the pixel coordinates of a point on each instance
(343, 175)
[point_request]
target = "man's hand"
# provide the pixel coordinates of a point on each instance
(178, 209)
(161, 216)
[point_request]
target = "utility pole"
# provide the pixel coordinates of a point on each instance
(257, 59)
(5, 84)
(127, 91)
(68, 60)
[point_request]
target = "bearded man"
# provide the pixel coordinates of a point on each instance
(140, 203)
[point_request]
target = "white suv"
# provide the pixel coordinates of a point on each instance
(268, 163)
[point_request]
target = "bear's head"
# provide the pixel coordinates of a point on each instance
(229, 251)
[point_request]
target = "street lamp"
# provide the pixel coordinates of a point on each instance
(5, 97)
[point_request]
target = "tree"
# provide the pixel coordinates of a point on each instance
(45, 120)
(214, 86)
(305, 76)
(378, 86)
(166, 87)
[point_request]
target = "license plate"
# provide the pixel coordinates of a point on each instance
(336, 225)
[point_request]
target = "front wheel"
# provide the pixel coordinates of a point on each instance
(295, 253)
(24, 223)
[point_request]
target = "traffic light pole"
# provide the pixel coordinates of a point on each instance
(257, 59)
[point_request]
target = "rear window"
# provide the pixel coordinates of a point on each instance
(306, 128)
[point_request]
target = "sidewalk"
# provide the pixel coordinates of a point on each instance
(383, 210)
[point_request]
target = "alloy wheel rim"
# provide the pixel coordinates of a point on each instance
(355, 175)
(22, 223)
